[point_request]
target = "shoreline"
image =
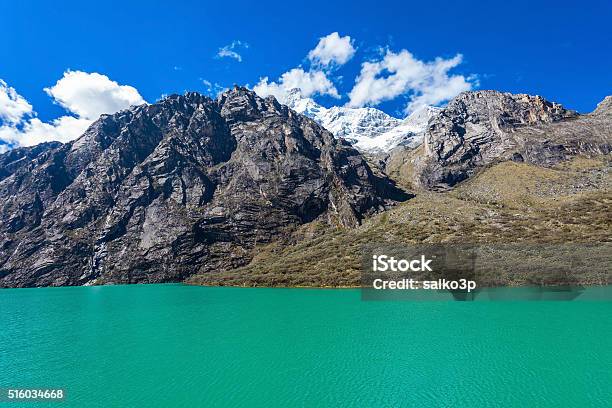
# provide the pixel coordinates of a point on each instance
(580, 285)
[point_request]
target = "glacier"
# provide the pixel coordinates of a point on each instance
(368, 129)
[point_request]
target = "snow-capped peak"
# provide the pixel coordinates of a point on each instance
(369, 129)
(300, 104)
(409, 132)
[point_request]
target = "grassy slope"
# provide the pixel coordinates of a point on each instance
(506, 203)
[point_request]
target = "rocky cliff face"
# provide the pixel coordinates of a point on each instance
(187, 185)
(479, 128)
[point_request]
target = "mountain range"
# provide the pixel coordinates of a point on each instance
(195, 188)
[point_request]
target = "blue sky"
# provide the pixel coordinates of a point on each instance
(556, 49)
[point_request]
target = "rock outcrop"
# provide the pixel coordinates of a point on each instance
(604, 108)
(479, 128)
(187, 185)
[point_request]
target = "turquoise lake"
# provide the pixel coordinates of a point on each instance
(184, 346)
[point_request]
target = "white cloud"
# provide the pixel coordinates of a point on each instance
(230, 50)
(426, 83)
(88, 95)
(309, 82)
(213, 89)
(13, 106)
(35, 131)
(229, 53)
(332, 49)
(85, 95)
(390, 76)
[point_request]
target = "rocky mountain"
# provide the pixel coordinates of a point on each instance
(368, 129)
(195, 186)
(186, 185)
(479, 128)
(515, 175)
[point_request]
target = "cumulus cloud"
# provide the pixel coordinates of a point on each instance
(332, 49)
(426, 83)
(88, 95)
(309, 82)
(13, 106)
(390, 76)
(231, 50)
(84, 95)
(35, 131)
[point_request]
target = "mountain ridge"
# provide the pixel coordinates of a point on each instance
(479, 128)
(193, 185)
(158, 192)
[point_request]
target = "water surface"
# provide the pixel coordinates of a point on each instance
(184, 346)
